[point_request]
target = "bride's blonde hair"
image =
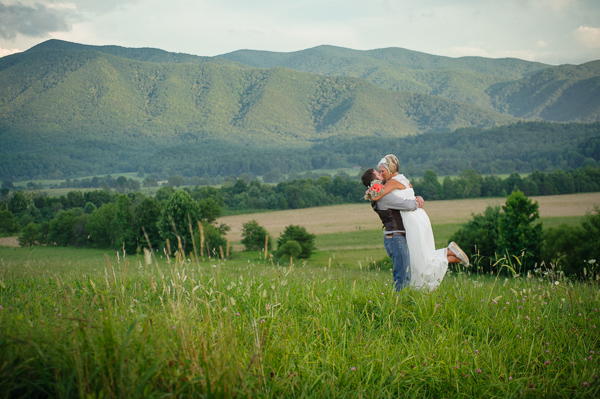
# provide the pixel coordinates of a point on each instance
(390, 162)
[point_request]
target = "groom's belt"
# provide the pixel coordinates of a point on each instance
(398, 233)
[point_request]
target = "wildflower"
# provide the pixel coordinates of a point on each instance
(531, 385)
(585, 384)
(547, 343)
(237, 314)
(1, 308)
(456, 367)
(478, 371)
(579, 314)
(510, 378)
(174, 328)
(59, 315)
(352, 368)
(592, 352)
(262, 321)
(520, 307)
(556, 282)
(547, 362)
(100, 310)
(477, 351)
(547, 351)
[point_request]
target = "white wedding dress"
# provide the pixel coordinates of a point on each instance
(427, 265)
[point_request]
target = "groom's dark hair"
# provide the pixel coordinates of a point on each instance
(368, 176)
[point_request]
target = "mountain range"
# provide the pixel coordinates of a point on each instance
(65, 106)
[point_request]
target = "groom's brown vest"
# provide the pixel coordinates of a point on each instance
(391, 218)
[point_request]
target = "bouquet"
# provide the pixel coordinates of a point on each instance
(375, 189)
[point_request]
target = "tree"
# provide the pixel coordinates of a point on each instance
(18, 202)
(431, 188)
(125, 224)
(518, 228)
(68, 228)
(150, 182)
(7, 222)
(164, 193)
(29, 235)
(301, 236)
(176, 181)
(213, 238)
(147, 214)
(101, 226)
(574, 247)
(75, 199)
(480, 234)
(254, 236)
(174, 221)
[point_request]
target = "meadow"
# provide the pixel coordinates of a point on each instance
(92, 323)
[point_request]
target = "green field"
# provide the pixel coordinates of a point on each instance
(79, 323)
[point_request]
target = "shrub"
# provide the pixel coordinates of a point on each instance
(254, 236)
(291, 249)
(301, 236)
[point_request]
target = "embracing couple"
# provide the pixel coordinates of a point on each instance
(408, 237)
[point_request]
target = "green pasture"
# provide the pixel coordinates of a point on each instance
(79, 323)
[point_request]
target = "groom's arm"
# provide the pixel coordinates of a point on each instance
(394, 202)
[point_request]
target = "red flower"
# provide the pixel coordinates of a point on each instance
(377, 187)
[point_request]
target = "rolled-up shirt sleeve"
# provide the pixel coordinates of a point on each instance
(394, 202)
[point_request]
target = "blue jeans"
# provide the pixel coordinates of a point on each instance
(397, 249)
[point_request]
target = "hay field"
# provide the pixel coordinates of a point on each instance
(352, 217)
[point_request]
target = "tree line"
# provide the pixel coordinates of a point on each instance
(132, 220)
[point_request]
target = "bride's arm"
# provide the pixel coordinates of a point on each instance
(388, 187)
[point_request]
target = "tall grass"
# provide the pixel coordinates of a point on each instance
(249, 329)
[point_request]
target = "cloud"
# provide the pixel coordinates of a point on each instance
(8, 51)
(588, 36)
(34, 21)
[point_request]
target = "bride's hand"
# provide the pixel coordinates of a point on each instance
(420, 201)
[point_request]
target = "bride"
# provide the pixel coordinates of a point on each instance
(428, 265)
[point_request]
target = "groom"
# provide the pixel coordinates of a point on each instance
(394, 239)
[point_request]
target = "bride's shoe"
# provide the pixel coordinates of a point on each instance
(460, 254)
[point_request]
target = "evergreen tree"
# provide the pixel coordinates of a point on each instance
(519, 230)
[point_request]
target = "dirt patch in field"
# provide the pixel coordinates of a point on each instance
(352, 217)
(9, 242)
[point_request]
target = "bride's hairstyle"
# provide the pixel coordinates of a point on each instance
(390, 162)
(368, 176)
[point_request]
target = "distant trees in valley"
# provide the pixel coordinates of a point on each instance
(131, 220)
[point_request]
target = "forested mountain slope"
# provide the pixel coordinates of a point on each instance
(68, 109)
(516, 87)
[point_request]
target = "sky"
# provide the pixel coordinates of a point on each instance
(550, 31)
